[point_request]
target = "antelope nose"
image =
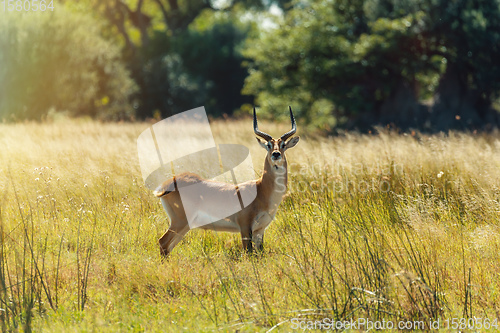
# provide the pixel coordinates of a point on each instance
(276, 154)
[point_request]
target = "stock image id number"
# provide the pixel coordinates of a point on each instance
(27, 5)
(461, 324)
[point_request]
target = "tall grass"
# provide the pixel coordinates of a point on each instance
(385, 227)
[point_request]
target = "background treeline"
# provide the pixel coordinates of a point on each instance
(428, 64)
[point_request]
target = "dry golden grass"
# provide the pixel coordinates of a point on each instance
(386, 227)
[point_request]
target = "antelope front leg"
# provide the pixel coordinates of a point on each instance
(258, 228)
(246, 239)
(258, 240)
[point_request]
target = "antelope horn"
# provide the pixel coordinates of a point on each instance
(285, 136)
(263, 135)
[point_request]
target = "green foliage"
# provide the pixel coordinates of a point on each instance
(467, 33)
(198, 66)
(182, 54)
(286, 62)
(320, 54)
(210, 51)
(166, 85)
(58, 61)
(373, 60)
(338, 63)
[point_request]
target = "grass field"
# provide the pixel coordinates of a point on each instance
(392, 228)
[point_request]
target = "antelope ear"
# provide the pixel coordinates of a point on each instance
(292, 142)
(262, 143)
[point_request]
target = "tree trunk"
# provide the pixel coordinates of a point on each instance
(457, 106)
(402, 108)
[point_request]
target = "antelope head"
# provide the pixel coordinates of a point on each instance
(276, 147)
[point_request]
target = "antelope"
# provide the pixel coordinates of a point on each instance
(252, 220)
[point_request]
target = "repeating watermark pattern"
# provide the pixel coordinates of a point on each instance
(365, 324)
(27, 5)
(184, 143)
(341, 177)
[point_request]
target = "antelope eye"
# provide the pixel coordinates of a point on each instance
(269, 145)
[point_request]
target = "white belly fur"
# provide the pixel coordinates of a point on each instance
(222, 225)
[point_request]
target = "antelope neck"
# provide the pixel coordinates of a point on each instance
(274, 180)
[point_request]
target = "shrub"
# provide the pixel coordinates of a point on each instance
(58, 61)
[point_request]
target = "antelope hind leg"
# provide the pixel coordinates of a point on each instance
(170, 239)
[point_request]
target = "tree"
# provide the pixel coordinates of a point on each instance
(467, 36)
(210, 50)
(59, 61)
(160, 39)
(336, 62)
(365, 62)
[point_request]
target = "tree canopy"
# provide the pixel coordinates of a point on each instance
(59, 61)
(429, 64)
(359, 63)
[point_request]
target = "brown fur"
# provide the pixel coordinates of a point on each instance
(251, 221)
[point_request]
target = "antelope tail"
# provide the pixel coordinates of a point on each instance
(167, 187)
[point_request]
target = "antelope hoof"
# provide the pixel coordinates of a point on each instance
(163, 253)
